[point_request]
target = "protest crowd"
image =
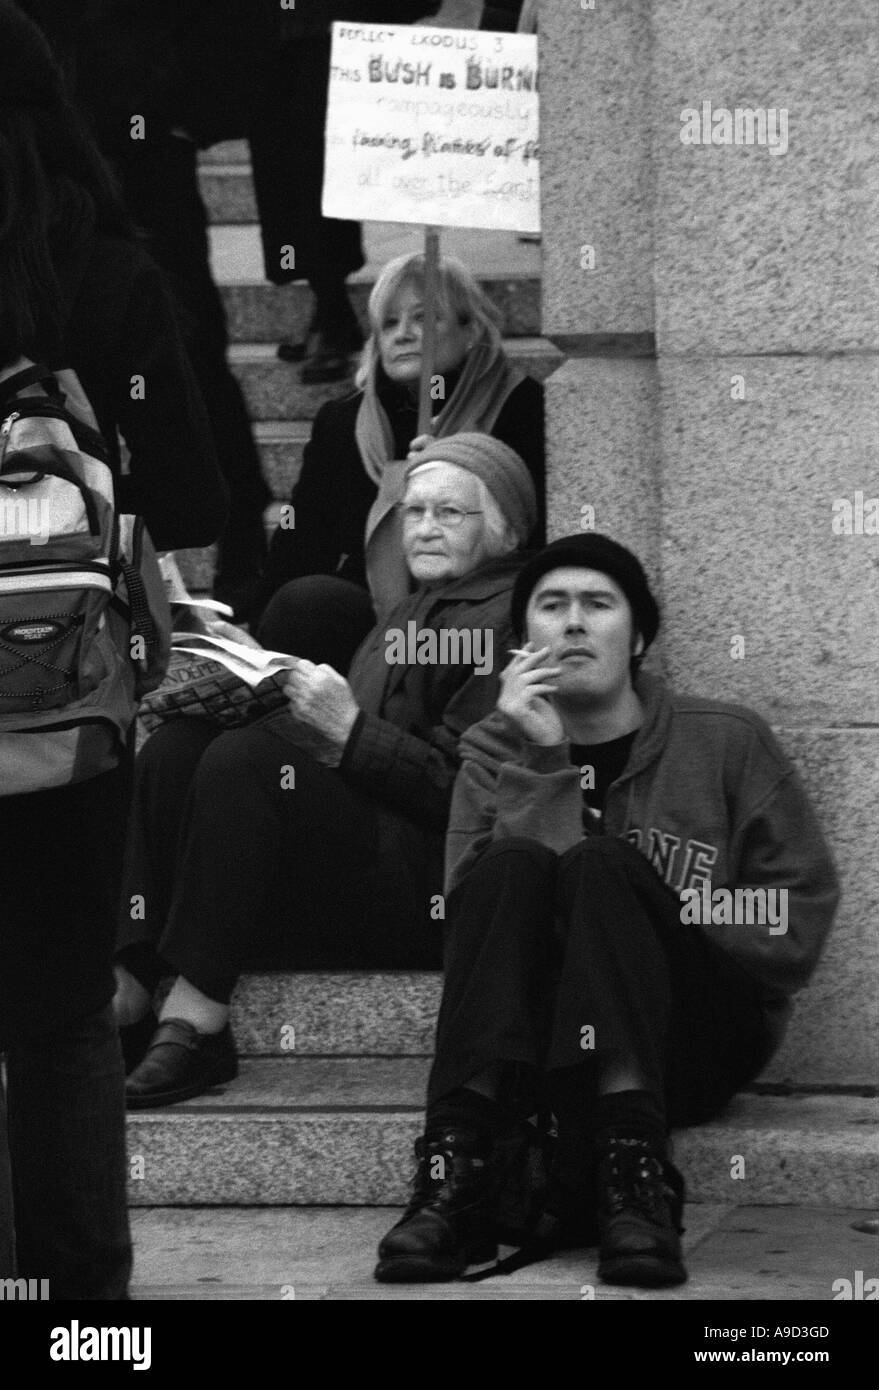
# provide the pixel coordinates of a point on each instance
(558, 796)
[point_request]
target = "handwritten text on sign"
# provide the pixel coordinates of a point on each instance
(438, 126)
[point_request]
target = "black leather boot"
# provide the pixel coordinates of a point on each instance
(447, 1224)
(640, 1204)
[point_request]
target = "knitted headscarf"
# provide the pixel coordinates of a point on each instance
(500, 468)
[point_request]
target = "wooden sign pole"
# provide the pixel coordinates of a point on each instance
(428, 339)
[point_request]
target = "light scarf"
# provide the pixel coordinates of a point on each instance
(487, 379)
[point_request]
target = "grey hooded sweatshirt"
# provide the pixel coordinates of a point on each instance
(707, 795)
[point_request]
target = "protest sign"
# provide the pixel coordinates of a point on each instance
(434, 126)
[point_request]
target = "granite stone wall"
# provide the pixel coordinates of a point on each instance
(717, 300)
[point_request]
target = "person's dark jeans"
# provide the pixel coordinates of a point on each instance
(541, 948)
(66, 1138)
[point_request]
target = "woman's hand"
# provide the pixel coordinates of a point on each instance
(324, 709)
(525, 685)
(218, 628)
(420, 442)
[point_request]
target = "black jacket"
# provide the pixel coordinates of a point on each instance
(121, 324)
(334, 493)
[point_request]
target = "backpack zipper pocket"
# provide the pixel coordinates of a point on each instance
(49, 622)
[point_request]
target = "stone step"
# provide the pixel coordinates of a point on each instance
(227, 152)
(377, 1013)
(258, 312)
(280, 444)
(227, 192)
(327, 1013)
(197, 568)
(305, 1253)
(273, 390)
(315, 1131)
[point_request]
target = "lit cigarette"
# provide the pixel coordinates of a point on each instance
(518, 651)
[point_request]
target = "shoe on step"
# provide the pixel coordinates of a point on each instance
(181, 1063)
(640, 1204)
(329, 356)
(447, 1224)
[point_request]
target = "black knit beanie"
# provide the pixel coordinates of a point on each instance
(594, 552)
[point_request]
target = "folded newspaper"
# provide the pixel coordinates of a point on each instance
(211, 677)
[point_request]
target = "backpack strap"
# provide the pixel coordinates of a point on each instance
(35, 375)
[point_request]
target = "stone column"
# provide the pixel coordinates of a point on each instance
(727, 459)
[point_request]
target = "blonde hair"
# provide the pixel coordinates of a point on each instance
(500, 535)
(459, 297)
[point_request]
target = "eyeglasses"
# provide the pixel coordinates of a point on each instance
(449, 518)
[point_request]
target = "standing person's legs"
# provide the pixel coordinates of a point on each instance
(67, 1140)
(288, 181)
(66, 1116)
(7, 1216)
(160, 182)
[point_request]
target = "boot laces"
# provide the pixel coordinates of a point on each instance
(444, 1164)
(635, 1179)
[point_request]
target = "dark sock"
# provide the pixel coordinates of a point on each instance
(468, 1110)
(630, 1115)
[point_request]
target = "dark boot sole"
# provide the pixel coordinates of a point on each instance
(648, 1271)
(426, 1269)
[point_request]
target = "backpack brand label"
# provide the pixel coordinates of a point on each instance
(26, 633)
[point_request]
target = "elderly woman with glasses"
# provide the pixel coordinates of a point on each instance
(341, 564)
(318, 832)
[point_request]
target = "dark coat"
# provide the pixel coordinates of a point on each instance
(121, 324)
(334, 493)
(403, 749)
(287, 138)
(192, 64)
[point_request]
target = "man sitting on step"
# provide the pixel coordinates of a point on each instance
(636, 884)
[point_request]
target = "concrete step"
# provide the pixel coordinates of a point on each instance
(228, 152)
(305, 1253)
(197, 568)
(258, 312)
(339, 1131)
(273, 390)
(333, 1013)
(227, 191)
(280, 444)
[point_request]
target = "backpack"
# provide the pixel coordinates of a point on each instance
(84, 621)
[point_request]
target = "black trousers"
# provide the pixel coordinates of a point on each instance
(63, 1167)
(160, 183)
(558, 965)
(287, 154)
(234, 867)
